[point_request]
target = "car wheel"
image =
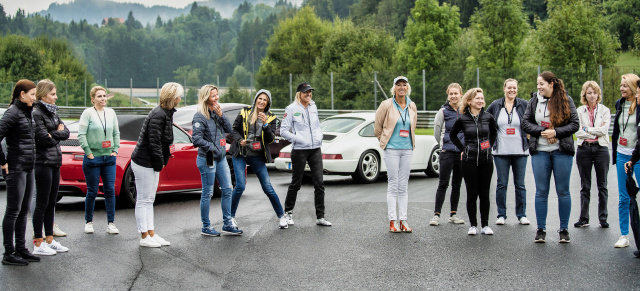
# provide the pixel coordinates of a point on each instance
(128, 193)
(368, 167)
(433, 169)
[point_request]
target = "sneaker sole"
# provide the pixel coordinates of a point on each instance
(540, 241)
(584, 225)
(320, 224)
(456, 222)
(14, 264)
(284, 227)
(43, 254)
(487, 233)
(208, 234)
(89, 231)
(565, 241)
(57, 251)
(230, 233)
(620, 247)
(434, 223)
(150, 246)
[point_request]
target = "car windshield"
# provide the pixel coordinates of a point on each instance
(340, 124)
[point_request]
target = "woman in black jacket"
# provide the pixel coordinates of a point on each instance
(551, 120)
(49, 131)
(479, 128)
(150, 156)
(17, 127)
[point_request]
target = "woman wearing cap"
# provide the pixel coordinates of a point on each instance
(253, 130)
(480, 131)
(395, 127)
(449, 156)
(551, 120)
(593, 151)
(18, 170)
(624, 139)
(149, 157)
(99, 137)
(510, 150)
(301, 127)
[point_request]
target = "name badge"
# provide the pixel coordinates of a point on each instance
(511, 130)
(484, 145)
(223, 142)
(404, 133)
(623, 141)
(172, 149)
(545, 124)
(256, 146)
(106, 144)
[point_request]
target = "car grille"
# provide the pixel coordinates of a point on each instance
(70, 143)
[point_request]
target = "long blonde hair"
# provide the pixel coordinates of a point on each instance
(203, 97)
(632, 80)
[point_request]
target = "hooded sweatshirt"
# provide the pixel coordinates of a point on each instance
(257, 135)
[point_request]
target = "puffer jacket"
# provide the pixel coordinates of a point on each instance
(564, 133)
(445, 118)
(17, 127)
(207, 134)
(153, 147)
(48, 136)
(241, 129)
(496, 108)
(476, 131)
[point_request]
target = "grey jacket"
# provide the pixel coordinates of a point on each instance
(301, 126)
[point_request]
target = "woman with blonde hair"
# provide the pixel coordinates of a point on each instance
(209, 128)
(593, 151)
(49, 131)
(623, 140)
(150, 156)
(480, 131)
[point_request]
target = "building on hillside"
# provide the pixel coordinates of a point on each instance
(116, 19)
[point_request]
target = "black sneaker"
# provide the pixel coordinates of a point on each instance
(636, 253)
(540, 235)
(581, 223)
(13, 259)
(604, 224)
(25, 254)
(564, 236)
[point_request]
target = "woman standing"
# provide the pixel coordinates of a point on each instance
(150, 156)
(99, 137)
(551, 119)
(593, 151)
(17, 127)
(449, 155)
(209, 128)
(395, 127)
(253, 130)
(510, 150)
(624, 139)
(49, 131)
(479, 128)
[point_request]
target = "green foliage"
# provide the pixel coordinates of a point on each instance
(20, 59)
(234, 94)
(191, 96)
(241, 76)
(624, 16)
(388, 14)
(188, 74)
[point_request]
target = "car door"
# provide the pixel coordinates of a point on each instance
(182, 171)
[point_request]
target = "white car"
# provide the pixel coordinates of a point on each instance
(350, 148)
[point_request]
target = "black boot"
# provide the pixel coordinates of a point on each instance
(25, 254)
(13, 259)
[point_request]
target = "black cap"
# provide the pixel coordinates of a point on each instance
(304, 87)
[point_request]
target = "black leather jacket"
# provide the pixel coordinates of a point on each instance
(476, 132)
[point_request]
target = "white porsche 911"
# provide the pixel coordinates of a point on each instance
(350, 148)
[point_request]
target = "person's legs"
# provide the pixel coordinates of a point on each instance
(470, 172)
(485, 172)
(446, 166)
(541, 165)
(223, 176)
(456, 183)
(50, 211)
(144, 187)
(601, 165)
(298, 162)
(260, 168)
(16, 184)
(208, 177)
(503, 163)
(315, 164)
(404, 171)
(92, 177)
(43, 189)
(623, 202)
(21, 222)
(519, 168)
(584, 161)
(239, 166)
(392, 160)
(108, 174)
(562, 164)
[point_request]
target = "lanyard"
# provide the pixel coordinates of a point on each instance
(624, 126)
(104, 126)
(509, 115)
(544, 113)
(406, 112)
(593, 120)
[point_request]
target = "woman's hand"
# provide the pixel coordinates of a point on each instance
(60, 127)
(217, 109)
(548, 133)
(262, 117)
(90, 156)
(243, 142)
(5, 167)
(627, 167)
(113, 154)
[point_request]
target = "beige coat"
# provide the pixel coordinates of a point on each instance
(386, 118)
(601, 128)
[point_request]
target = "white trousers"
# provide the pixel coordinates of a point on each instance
(146, 187)
(398, 169)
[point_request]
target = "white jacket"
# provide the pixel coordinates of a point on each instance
(301, 126)
(600, 128)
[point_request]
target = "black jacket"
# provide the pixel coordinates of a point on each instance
(156, 136)
(476, 132)
(564, 133)
(520, 105)
(616, 129)
(17, 127)
(48, 136)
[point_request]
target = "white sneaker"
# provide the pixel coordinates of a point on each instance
(435, 220)
(149, 242)
(623, 242)
(56, 246)
(160, 240)
(283, 222)
(524, 221)
(487, 230)
(43, 250)
(323, 222)
(234, 222)
(289, 216)
(88, 228)
(57, 231)
(455, 219)
(112, 229)
(500, 221)
(472, 230)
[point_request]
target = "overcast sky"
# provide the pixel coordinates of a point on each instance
(31, 6)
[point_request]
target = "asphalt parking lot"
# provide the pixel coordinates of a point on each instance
(356, 253)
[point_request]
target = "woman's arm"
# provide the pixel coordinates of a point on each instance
(453, 134)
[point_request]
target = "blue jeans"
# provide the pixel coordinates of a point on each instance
(260, 168)
(94, 169)
(543, 163)
(623, 202)
(518, 165)
(219, 171)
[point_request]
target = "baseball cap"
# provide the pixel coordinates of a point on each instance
(400, 78)
(304, 87)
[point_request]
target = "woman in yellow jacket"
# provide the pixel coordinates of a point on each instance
(395, 127)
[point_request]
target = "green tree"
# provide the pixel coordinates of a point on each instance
(624, 16)
(20, 59)
(388, 14)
